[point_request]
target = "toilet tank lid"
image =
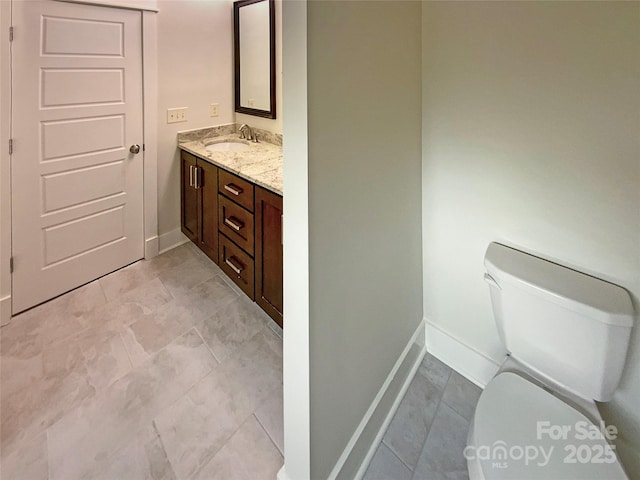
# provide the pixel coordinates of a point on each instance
(591, 296)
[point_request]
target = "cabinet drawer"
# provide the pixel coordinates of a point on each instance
(236, 223)
(237, 265)
(236, 188)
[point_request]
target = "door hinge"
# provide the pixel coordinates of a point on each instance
(11, 34)
(10, 146)
(11, 265)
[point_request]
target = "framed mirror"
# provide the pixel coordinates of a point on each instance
(255, 57)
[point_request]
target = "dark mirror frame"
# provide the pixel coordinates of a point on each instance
(271, 113)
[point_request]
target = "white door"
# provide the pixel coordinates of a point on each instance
(77, 192)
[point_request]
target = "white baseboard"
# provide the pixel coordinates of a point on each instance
(151, 247)
(367, 416)
(392, 411)
(5, 310)
(464, 359)
(282, 474)
(170, 240)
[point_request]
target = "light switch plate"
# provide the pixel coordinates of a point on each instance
(175, 115)
(214, 110)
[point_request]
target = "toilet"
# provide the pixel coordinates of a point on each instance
(566, 334)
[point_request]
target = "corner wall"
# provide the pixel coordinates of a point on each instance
(364, 181)
(531, 114)
(295, 245)
(195, 69)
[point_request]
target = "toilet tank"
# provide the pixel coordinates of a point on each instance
(568, 326)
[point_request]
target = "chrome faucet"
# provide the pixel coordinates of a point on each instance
(247, 133)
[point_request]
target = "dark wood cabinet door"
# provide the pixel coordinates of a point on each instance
(207, 188)
(188, 197)
(268, 258)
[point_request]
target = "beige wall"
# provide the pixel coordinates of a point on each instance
(195, 69)
(364, 160)
(531, 121)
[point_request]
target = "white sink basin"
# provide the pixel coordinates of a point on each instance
(227, 147)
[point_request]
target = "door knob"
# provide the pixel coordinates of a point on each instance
(134, 149)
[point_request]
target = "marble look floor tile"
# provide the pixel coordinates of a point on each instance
(66, 368)
(197, 426)
(257, 364)
(176, 256)
(270, 415)
(96, 430)
(386, 466)
(230, 326)
(100, 355)
(126, 279)
(140, 302)
(408, 429)
(442, 456)
(156, 461)
(50, 322)
(151, 333)
(29, 412)
(141, 457)
(186, 275)
(147, 296)
(18, 373)
(461, 395)
(249, 455)
(435, 371)
(198, 253)
(28, 462)
(207, 297)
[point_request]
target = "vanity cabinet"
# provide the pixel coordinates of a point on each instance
(238, 225)
(237, 235)
(199, 203)
(268, 259)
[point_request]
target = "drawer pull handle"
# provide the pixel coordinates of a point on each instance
(229, 261)
(230, 187)
(234, 223)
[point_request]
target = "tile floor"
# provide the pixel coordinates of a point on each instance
(164, 371)
(160, 370)
(428, 433)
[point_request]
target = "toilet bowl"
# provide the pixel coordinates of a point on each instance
(566, 334)
(521, 430)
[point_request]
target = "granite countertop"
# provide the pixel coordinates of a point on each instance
(260, 163)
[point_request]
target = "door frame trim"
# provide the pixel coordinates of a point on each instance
(5, 164)
(150, 135)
